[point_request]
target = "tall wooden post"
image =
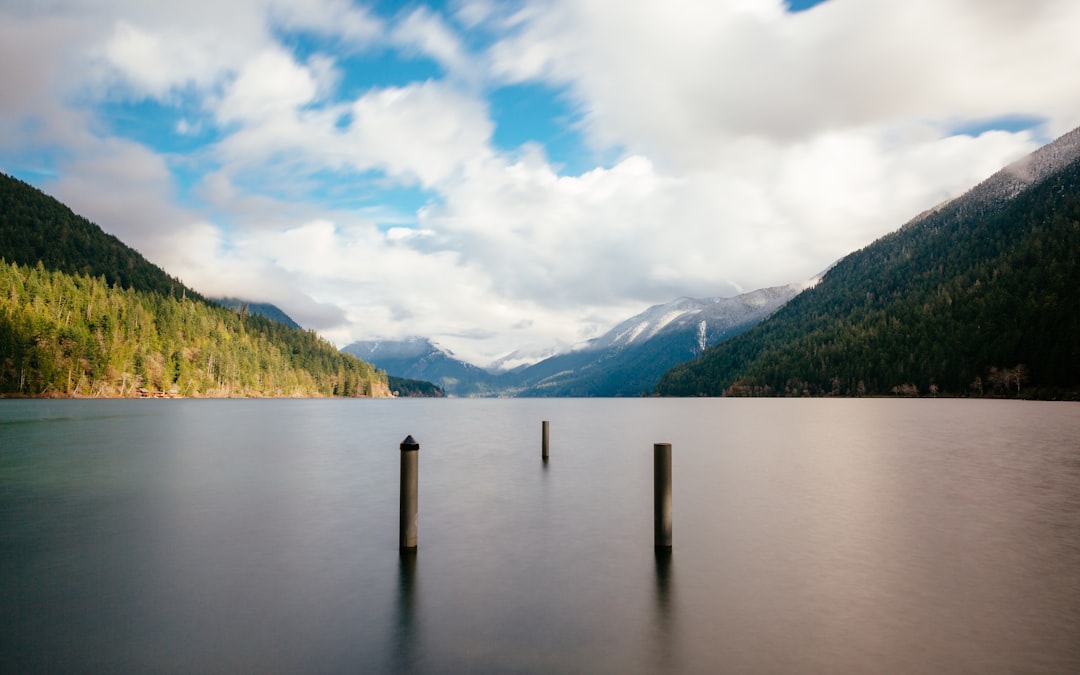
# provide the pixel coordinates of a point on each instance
(409, 514)
(545, 436)
(662, 495)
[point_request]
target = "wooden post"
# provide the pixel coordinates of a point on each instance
(545, 428)
(409, 514)
(662, 495)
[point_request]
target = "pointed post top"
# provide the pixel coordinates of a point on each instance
(409, 444)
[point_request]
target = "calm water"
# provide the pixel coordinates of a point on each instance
(840, 536)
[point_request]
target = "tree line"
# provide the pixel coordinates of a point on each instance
(77, 335)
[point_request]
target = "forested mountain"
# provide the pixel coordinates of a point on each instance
(91, 317)
(35, 227)
(976, 297)
(264, 309)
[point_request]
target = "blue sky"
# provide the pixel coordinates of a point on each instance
(515, 177)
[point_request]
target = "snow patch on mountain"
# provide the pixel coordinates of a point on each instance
(695, 315)
(1010, 181)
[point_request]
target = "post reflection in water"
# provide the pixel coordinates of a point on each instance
(193, 536)
(407, 649)
(664, 611)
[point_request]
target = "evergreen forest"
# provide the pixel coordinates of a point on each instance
(81, 314)
(980, 297)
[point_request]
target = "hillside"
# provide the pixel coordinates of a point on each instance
(91, 317)
(976, 297)
(264, 309)
(35, 227)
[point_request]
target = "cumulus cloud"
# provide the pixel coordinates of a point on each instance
(269, 84)
(679, 79)
(424, 131)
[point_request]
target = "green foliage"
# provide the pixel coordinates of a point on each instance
(261, 308)
(401, 386)
(978, 298)
(81, 314)
(75, 335)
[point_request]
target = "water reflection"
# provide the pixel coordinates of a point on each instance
(405, 633)
(664, 609)
(931, 536)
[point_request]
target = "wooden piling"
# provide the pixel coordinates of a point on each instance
(409, 513)
(662, 495)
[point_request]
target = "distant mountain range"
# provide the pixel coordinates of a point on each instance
(631, 357)
(625, 361)
(978, 296)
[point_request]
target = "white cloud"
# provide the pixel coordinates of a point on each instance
(353, 23)
(270, 84)
(425, 131)
(424, 31)
(421, 133)
(678, 80)
(155, 49)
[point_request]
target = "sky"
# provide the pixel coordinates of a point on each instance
(512, 178)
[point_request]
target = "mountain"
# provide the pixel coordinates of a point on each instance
(631, 357)
(265, 309)
(81, 314)
(978, 296)
(35, 227)
(625, 361)
(417, 358)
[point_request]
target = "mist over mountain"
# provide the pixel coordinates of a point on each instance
(625, 361)
(978, 296)
(630, 358)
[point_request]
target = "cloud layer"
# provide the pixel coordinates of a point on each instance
(342, 163)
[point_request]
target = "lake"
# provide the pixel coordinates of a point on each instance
(840, 536)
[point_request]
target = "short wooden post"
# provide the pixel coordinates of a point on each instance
(545, 428)
(662, 495)
(409, 514)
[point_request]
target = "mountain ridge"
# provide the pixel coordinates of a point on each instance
(624, 361)
(83, 314)
(963, 299)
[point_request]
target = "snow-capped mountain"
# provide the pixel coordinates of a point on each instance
(704, 317)
(416, 358)
(629, 359)
(1013, 179)
(625, 361)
